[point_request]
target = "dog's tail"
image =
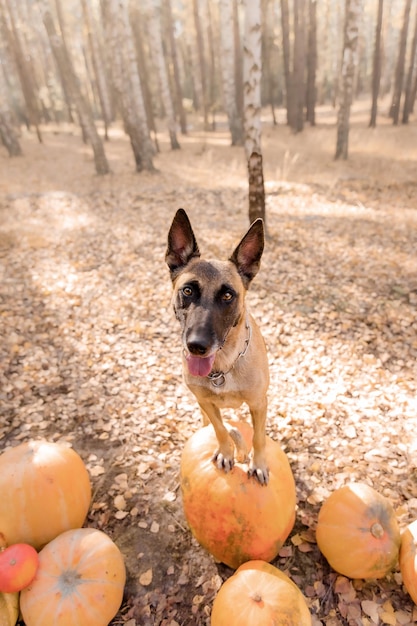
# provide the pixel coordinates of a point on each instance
(242, 455)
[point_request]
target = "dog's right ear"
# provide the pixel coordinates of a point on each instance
(182, 244)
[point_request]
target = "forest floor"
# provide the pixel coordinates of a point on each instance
(90, 350)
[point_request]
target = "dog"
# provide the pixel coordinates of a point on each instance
(225, 361)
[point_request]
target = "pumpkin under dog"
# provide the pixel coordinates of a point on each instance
(224, 355)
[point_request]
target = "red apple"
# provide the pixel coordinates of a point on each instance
(18, 566)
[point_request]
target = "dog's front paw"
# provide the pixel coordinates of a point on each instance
(222, 461)
(260, 473)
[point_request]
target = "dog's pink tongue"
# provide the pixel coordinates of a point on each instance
(200, 365)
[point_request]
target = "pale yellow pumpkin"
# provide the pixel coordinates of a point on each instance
(259, 594)
(45, 489)
(80, 581)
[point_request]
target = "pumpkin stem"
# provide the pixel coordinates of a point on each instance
(377, 531)
(256, 597)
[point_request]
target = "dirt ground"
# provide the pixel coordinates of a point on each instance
(90, 349)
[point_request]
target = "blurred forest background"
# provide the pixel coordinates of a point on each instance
(94, 61)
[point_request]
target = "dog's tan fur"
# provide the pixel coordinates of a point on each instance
(209, 301)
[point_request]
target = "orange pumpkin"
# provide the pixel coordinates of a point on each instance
(408, 559)
(80, 580)
(18, 565)
(259, 594)
(230, 514)
(45, 489)
(358, 533)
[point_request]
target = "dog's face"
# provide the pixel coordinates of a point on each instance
(209, 295)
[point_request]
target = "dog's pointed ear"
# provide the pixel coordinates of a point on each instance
(182, 244)
(247, 255)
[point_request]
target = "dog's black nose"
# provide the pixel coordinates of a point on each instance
(197, 348)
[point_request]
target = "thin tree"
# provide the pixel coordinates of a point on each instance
(238, 60)
(286, 53)
(400, 68)
(299, 65)
(412, 70)
(311, 63)
(98, 67)
(201, 61)
(8, 134)
(127, 82)
(349, 65)
(252, 71)
(268, 75)
(175, 67)
(69, 78)
(376, 69)
(24, 71)
(155, 39)
(228, 71)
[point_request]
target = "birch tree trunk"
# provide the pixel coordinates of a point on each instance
(400, 68)
(201, 61)
(8, 134)
(376, 69)
(69, 78)
(175, 66)
(98, 67)
(312, 63)
(252, 72)
(228, 71)
(412, 71)
(349, 65)
(155, 39)
(25, 73)
(127, 82)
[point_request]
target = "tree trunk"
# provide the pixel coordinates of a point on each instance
(412, 70)
(252, 70)
(127, 82)
(400, 68)
(268, 78)
(299, 65)
(8, 134)
(201, 61)
(175, 67)
(238, 61)
(349, 65)
(286, 52)
(155, 39)
(228, 71)
(98, 67)
(311, 63)
(376, 70)
(70, 79)
(25, 73)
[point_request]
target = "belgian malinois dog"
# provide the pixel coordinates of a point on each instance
(224, 355)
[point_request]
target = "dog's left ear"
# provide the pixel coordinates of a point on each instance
(247, 255)
(182, 244)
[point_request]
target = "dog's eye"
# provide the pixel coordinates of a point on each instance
(227, 296)
(187, 291)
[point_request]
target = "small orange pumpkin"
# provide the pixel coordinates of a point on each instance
(259, 594)
(408, 559)
(230, 514)
(358, 533)
(18, 565)
(45, 489)
(80, 580)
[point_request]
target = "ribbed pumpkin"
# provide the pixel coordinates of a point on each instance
(230, 514)
(80, 580)
(358, 533)
(259, 594)
(45, 489)
(408, 559)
